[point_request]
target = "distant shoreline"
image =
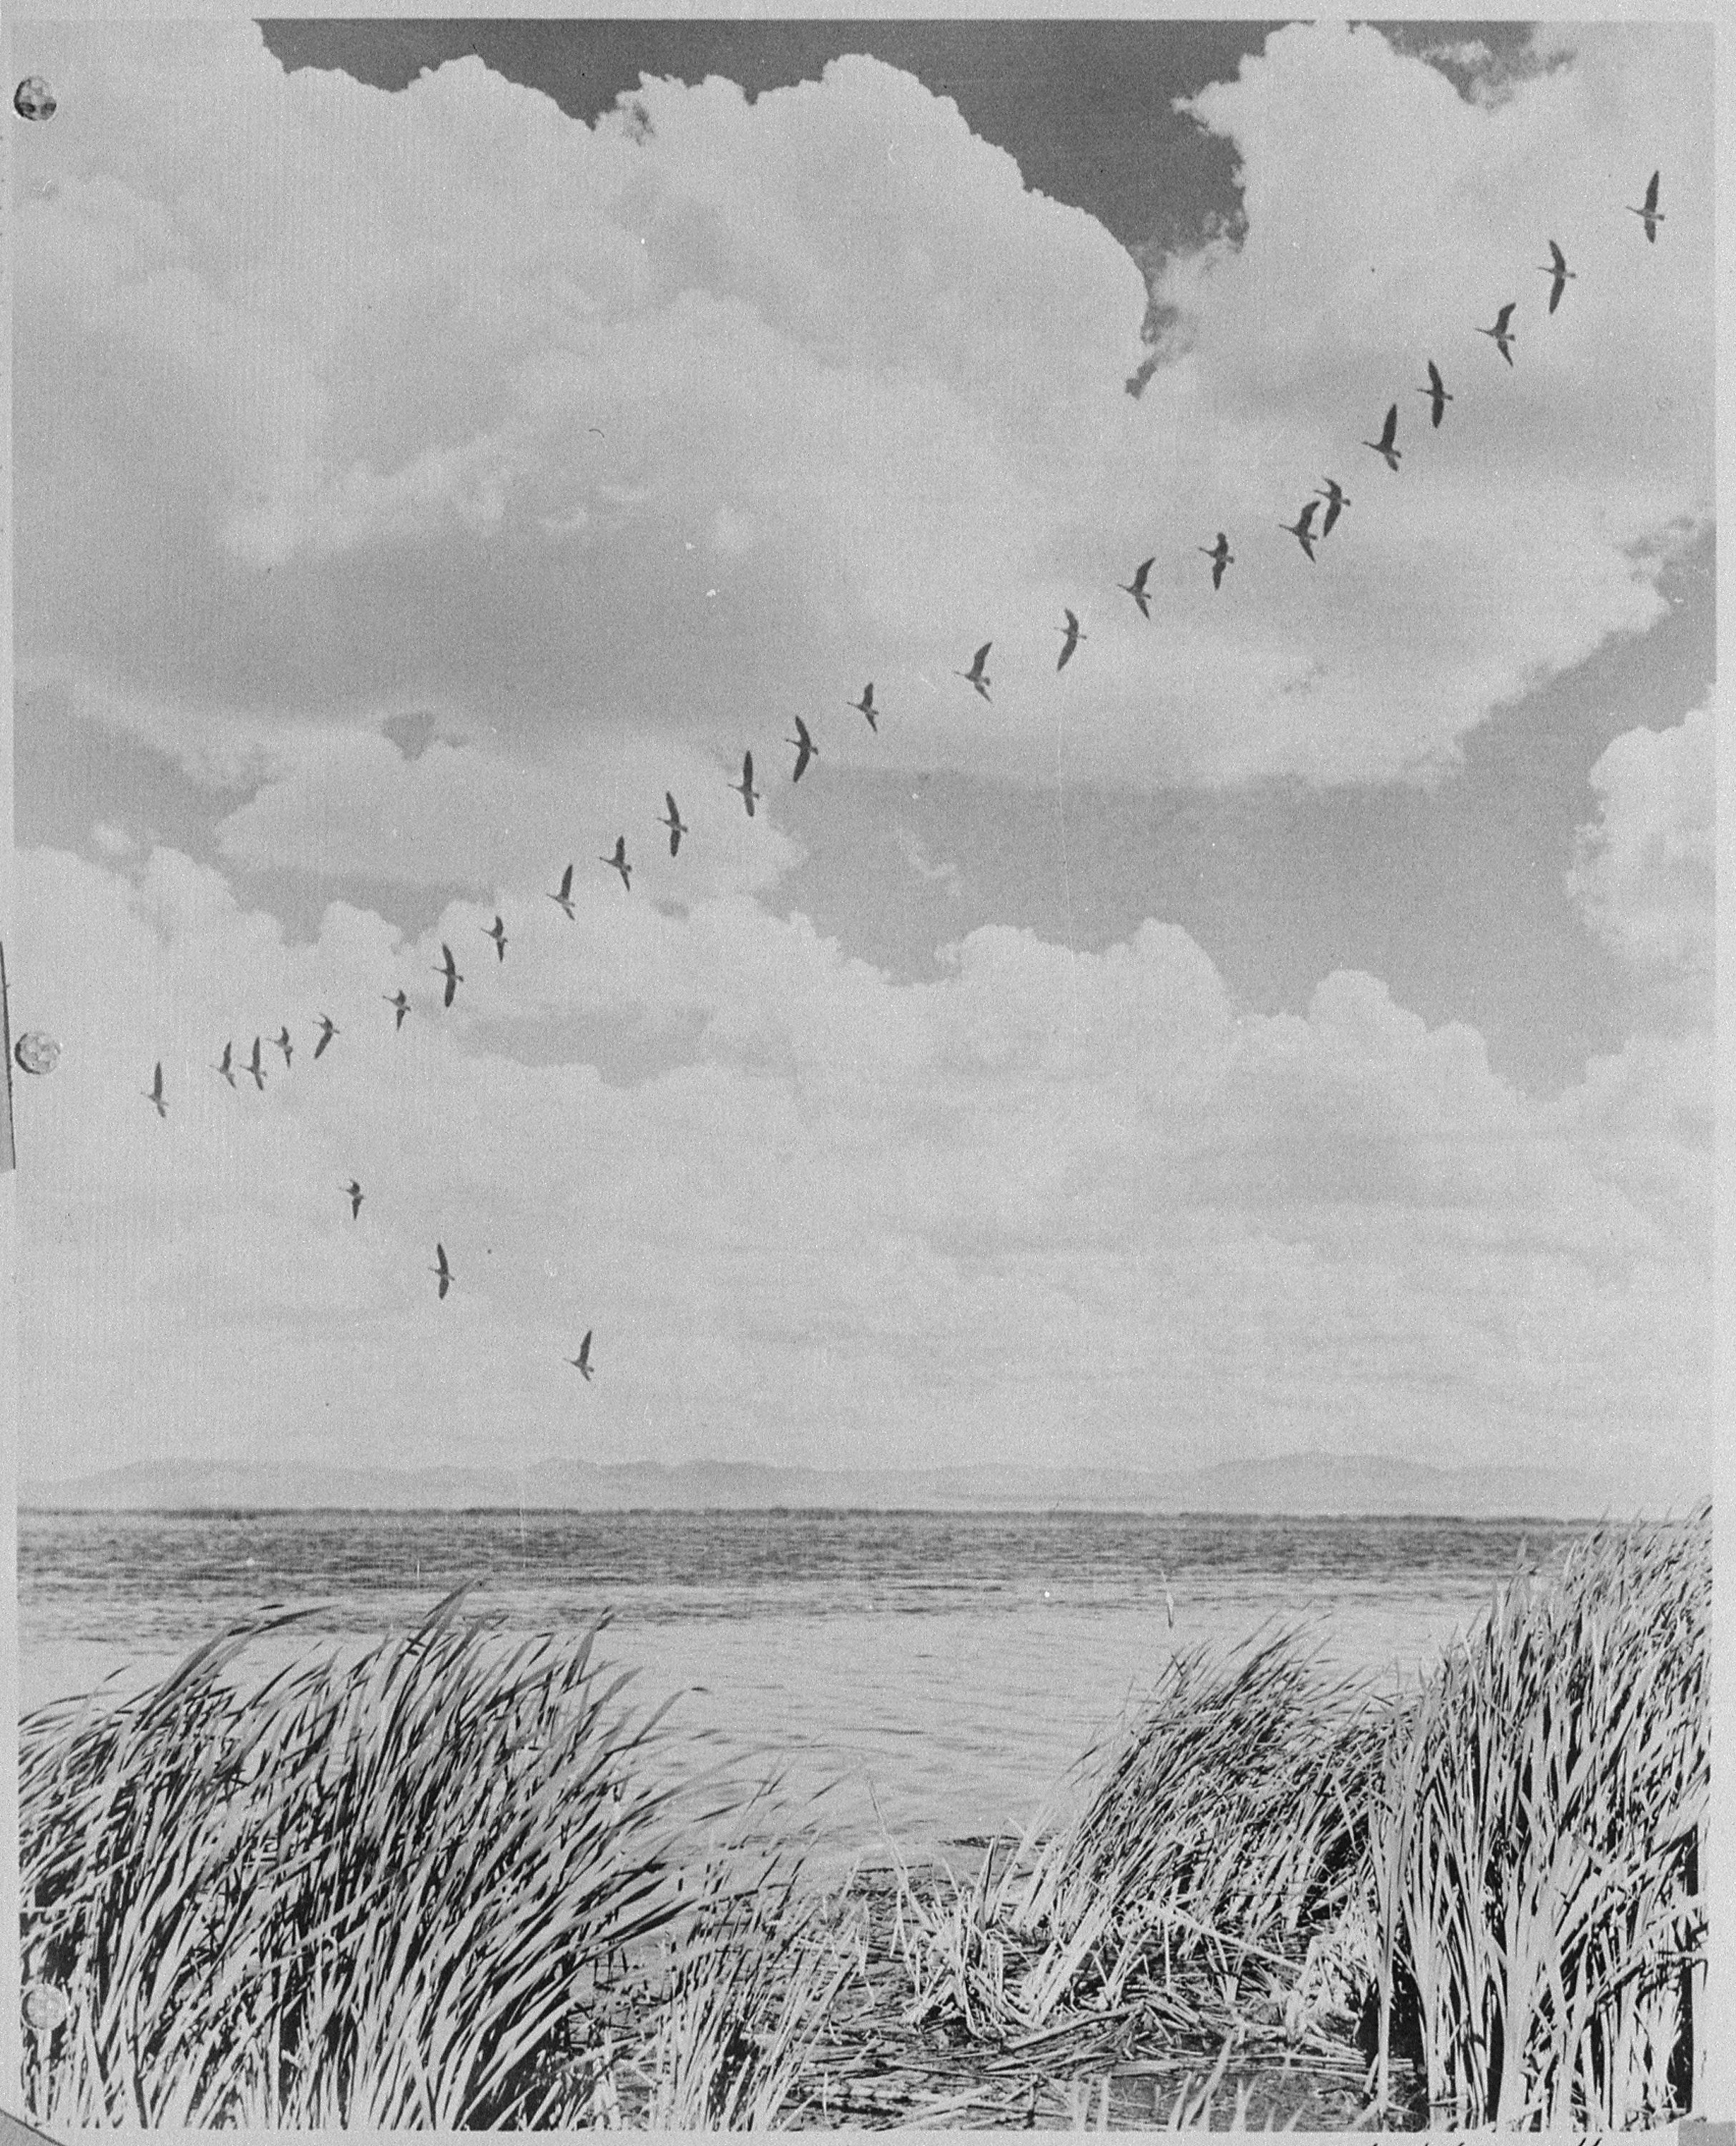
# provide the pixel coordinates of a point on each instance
(1293, 1486)
(1485, 1517)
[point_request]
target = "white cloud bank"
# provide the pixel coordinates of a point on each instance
(1047, 1206)
(334, 403)
(609, 453)
(1645, 875)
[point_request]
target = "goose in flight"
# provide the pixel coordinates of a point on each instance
(1337, 499)
(399, 1001)
(563, 898)
(1500, 334)
(328, 1028)
(582, 1362)
(354, 1190)
(1437, 394)
(255, 1068)
(1221, 556)
(447, 967)
(804, 747)
(745, 786)
(676, 826)
(154, 1093)
(1302, 528)
(441, 1269)
(976, 676)
(619, 863)
(865, 705)
(497, 932)
(1136, 587)
(1651, 215)
(1072, 634)
(225, 1064)
(1559, 269)
(1388, 432)
(281, 1040)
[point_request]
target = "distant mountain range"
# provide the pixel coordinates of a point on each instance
(1303, 1483)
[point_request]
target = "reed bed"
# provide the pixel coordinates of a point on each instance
(1485, 1898)
(405, 1889)
(1534, 1849)
(449, 1882)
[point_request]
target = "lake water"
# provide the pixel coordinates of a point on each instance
(937, 1673)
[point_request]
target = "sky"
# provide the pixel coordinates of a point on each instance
(1286, 1028)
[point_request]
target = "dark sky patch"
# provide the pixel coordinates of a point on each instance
(1086, 109)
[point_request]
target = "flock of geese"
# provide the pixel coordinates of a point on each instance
(1335, 499)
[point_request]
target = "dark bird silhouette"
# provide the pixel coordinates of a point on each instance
(1651, 214)
(745, 786)
(255, 1068)
(497, 932)
(1388, 432)
(563, 899)
(1437, 394)
(619, 863)
(582, 1362)
(225, 1064)
(1302, 528)
(355, 1192)
(674, 822)
(1221, 556)
(976, 676)
(1500, 334)
(447, 967)
(328, 1028)
(282, 1040)
(804, 747)
(1337, 499)
(865, 705)
(1559, 269)
(1072, 634)
(1136, 587)
(154, 1093)
(399, 1002)
(441, 1269)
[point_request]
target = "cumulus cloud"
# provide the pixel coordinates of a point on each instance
(332, 402)
(1043, 1203)
(1644, 872)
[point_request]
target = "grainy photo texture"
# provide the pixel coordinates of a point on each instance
(860, 1040)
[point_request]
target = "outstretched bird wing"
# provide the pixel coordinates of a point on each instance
(1504, 317)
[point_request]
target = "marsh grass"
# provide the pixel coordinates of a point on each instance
(1500, 1872)
(1534, 1849)
(1221, 1830)
(449, 1882)
(399, 1890)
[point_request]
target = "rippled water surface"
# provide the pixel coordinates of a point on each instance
(939, 1672)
